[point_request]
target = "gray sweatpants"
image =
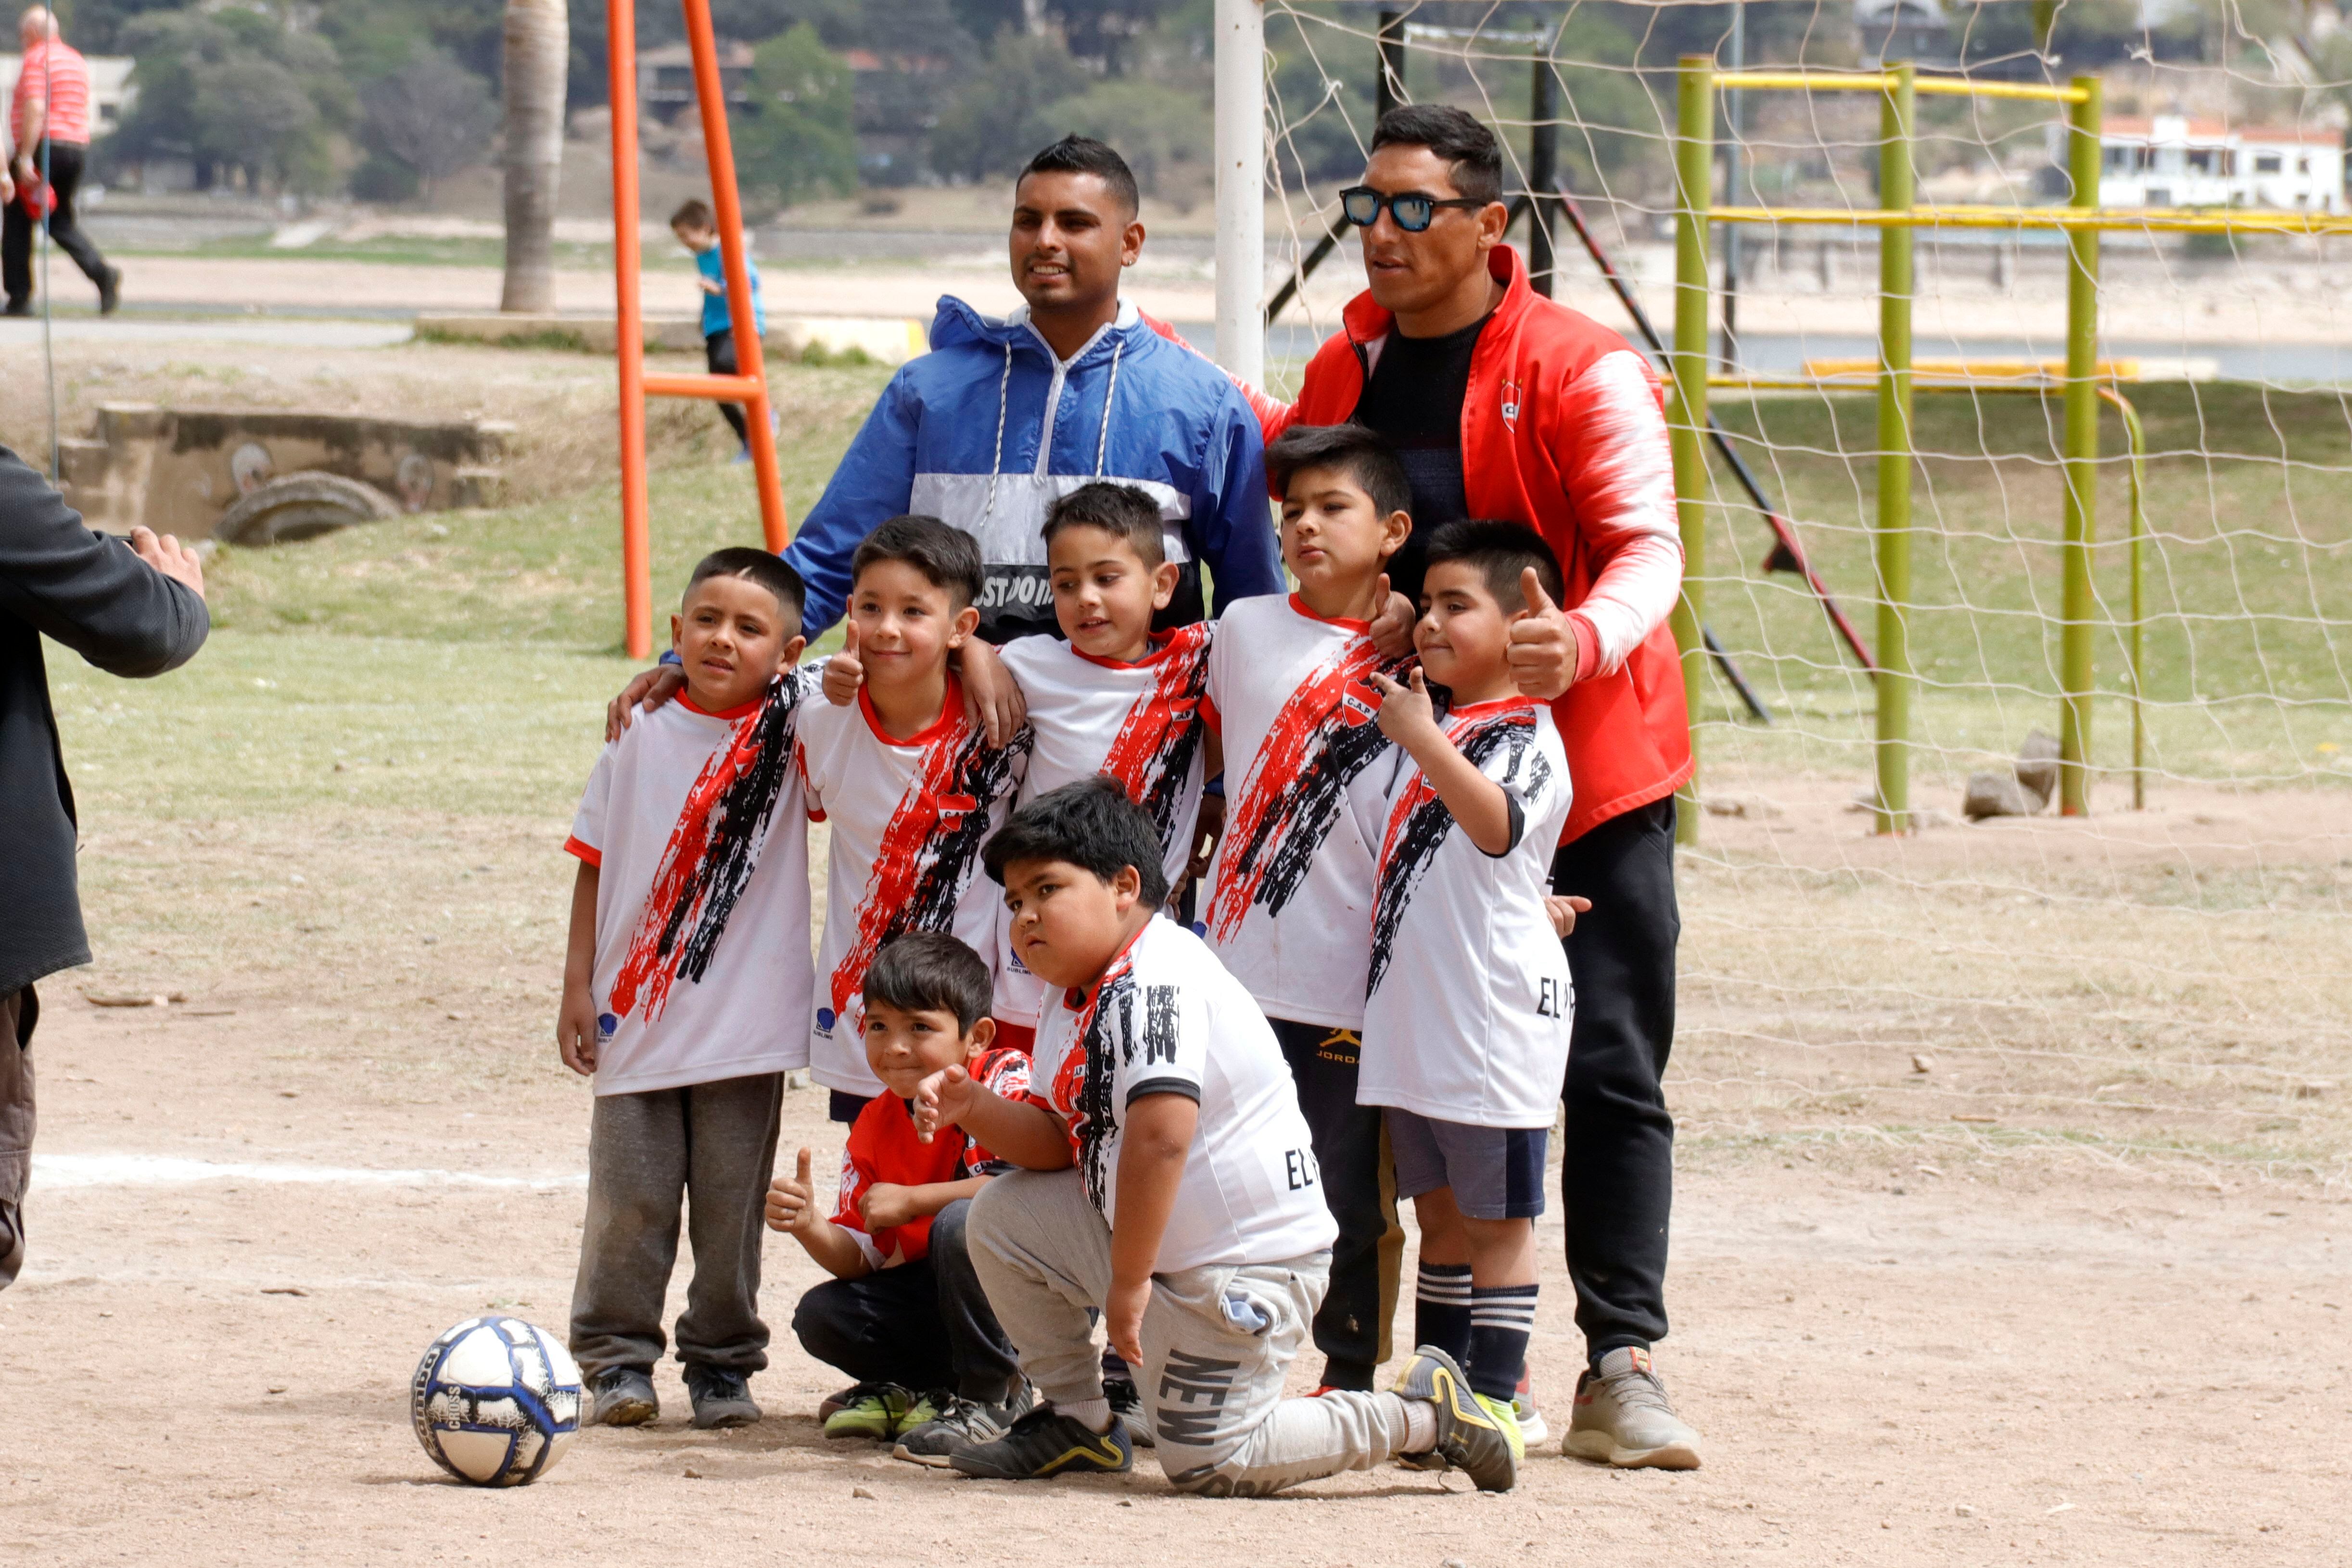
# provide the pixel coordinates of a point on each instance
(1216, 1344)
(715, 1143)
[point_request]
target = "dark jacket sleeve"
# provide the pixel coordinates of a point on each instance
(85, 589)
(1232, 523)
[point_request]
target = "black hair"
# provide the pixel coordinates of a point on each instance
(1120, 509)
(947, 558)
(1499, 552)
(1091, 824)
(1352, 450)
(932, 972)
(762, 569)
(1084, 155)
(1475, 156)
(694, 213)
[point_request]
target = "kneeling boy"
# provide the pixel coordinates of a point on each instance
(903, 1312)
(1170, 1181)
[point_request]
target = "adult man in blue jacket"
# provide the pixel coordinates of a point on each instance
(1003, 417)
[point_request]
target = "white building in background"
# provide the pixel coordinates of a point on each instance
(110, 91)
(2172, 161)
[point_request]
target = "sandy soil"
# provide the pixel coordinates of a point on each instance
(253, 1209)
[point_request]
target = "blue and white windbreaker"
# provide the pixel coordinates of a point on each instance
(988, 430)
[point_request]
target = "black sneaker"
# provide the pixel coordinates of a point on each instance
(721, 1395)
(956, 1422)
(1126, 1404)
(110, 290)
(1046, 1443)
(622, 1396)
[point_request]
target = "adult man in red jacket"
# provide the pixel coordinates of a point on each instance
(1504, 404)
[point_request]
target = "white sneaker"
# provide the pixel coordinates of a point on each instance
(1624, 1418)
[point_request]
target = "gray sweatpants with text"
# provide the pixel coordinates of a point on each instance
(1216, 1344)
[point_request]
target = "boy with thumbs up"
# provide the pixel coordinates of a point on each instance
(1468, 999)
(904, 1314)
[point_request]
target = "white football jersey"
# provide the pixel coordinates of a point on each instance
(1140, 723)
(694, 822)
(1291, 893)
(1167, 1018)
(909, 818)
(1469, 999)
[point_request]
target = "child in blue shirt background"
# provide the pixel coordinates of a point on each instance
(697, 230)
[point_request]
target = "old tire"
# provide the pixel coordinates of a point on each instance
(302, 506)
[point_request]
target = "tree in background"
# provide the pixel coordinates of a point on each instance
(432, 115)
(538, 52)
(234, 92)
(997, 116)
(798, 141)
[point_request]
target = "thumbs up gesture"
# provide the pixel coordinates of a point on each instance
(792, 1201)
(1543, 642)
(843, 674)
(1393, 623)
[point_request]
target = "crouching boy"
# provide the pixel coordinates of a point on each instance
(1168, 1180)
(903, 1313)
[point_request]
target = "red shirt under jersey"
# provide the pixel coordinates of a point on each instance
(882, 1147)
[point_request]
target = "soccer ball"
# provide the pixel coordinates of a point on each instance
(495, 1401)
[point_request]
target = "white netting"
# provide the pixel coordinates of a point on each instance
(2178, 977)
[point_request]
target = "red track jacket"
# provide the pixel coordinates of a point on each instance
(1563, 428)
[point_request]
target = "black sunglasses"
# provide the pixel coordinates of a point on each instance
(1412, 210)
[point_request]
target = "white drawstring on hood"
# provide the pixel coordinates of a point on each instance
(1102, 442)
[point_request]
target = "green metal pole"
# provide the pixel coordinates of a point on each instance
(1896, 189)
(2137, 439)
(2075, 669)
(1687, 405)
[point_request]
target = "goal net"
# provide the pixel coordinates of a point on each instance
(2166, 974)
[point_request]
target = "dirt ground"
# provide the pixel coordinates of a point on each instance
(1905, 1339)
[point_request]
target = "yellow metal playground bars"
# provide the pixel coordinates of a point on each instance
(2081, 388)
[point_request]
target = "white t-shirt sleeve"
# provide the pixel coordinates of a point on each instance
(589, 829)
(1170, 1038)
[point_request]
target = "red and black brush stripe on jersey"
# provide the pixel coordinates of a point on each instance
(1110, 1035)
(930, 850)
(1298, 782)
(1419, 821)
(1152, 756)
(711, 852)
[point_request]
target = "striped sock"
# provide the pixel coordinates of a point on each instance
(1441, 1309)
(1501, 1318)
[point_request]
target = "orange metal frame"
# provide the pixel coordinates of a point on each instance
(749, 386)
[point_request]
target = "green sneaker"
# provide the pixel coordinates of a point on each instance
(870, 1410)
(1471, 1436)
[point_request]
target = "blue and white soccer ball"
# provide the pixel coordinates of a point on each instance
(495, 1401)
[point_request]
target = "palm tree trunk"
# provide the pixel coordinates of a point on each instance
(538, 58)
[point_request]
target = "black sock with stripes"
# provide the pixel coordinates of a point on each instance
(1501, 1318)
(1441, 1309)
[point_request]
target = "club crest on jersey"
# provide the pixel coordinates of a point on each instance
(1512, 394)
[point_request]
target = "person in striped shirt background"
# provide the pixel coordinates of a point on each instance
(48, 129)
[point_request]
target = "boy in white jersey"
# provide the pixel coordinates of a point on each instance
(1118, 697)
(1466, 1022)
(908, 782)
(685, 983)
(1168, 1181)
(1290, 892)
